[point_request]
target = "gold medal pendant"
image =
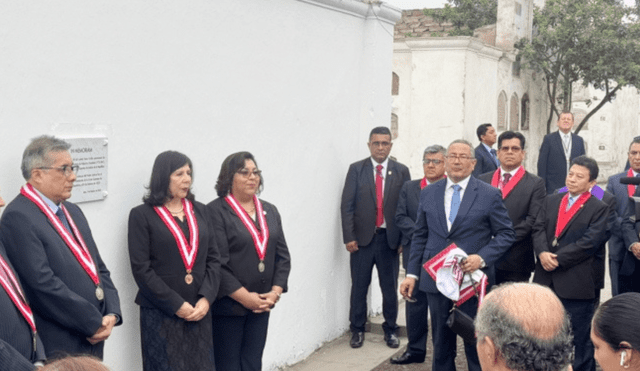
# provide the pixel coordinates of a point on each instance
(188, 278)
(261, 266)
(99, 293)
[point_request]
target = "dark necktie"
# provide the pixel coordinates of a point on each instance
(494, 154)
(379, 211)
(505, 180)
(64, 220)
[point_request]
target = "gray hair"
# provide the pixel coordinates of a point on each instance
(520, 349)
(37, 153)
(436, 148)
(472, 151)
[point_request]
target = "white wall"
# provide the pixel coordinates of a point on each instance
(298, 83)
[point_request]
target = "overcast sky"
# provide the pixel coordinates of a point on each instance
(420, 4)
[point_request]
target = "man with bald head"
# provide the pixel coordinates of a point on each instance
(524, 327)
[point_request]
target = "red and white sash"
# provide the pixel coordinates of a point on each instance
(507, 188)
(78, 247)
(260, 239)
(188, 251)
(631, 189)
(10, 283)
(564, 215)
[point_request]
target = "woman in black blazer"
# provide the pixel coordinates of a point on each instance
(176, 265)
(255, 264)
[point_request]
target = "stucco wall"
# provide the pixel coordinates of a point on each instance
(298, 83)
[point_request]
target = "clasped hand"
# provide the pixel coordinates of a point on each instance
(195, 313)
(104, 331)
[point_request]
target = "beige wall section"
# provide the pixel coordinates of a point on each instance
(298, 83)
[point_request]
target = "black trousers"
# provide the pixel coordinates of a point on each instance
(386, 262)
(417, 322)
(238, 341)
(630, 283)
(503, 276)
(581, 313)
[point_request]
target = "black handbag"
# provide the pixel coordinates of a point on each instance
(460, 322)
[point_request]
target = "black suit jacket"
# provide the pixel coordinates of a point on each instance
(61, 294)
(358, 207)
(16, 342)
(484, 161)
(240, 260)
(523, 203)
(552, 163)
(577, 246)
(406, 213)
(157, 265)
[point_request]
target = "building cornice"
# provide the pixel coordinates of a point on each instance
(451, 43)
(366, 9)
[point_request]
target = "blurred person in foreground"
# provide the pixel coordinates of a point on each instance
(255, 264)
(523, 327)
(82, 363)
(49, 242)
(176, 265)
(615, 332)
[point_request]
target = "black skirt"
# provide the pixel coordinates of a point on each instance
(173, 344)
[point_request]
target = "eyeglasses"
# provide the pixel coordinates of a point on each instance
(459, 157)
(65, 169)
(633, 153)
(247, 173)
(428, 161)
(380, 144)
(513, 149)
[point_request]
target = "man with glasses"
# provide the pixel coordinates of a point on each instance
(368, 210)
(624, 267)
(522, 193)
(49, 242)
(471, 214)
(416, 309)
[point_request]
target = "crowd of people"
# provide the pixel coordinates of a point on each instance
(207, 276)
(513, 226)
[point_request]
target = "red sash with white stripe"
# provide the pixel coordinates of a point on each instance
(564, 215)
(188, 251)
(260, 239)
(631, 189)
(10, 283)
(78, 247)
(507, 188)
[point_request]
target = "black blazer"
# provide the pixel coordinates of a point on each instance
(577, 245)
(61, 294)
(358, 206)
(16, 340)
(240, 259)
(484, 161)
(157, 265)
(406, 213)
(552, 163)
(523, 203)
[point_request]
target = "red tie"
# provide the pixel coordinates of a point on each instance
(379, 214)
(506, 176)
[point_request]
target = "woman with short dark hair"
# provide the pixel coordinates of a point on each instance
(255, 264)
(176, 264)
(615, 333)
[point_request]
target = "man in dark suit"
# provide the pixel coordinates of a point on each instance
(568, 232)
(49, 242)
(416, 311)
(368, 210)
(20, 344)
(619, 249)
(522, 193)
(470, 213)
(486, 157)
(557, 151)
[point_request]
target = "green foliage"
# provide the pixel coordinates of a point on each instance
(592, 41)
(465, 15)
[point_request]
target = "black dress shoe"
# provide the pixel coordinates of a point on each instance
(407, 358)
(357, 338)
(392, 340)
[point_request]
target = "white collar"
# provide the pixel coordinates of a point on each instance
(463, 183)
